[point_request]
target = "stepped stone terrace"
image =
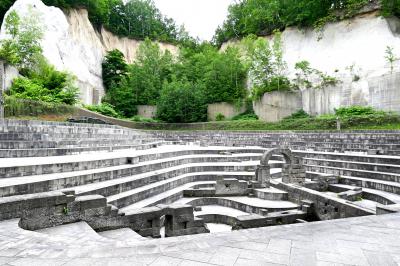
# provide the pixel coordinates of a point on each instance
(84, 194)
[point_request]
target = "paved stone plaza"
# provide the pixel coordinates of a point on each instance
(373, 240)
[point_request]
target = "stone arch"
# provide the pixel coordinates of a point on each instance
(287, 155)
(292, 170)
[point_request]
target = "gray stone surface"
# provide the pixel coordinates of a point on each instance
(371, 240)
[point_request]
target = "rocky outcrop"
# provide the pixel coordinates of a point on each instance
(71, 43)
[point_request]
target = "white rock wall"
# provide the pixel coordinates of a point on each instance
(72, 44)
(359, 42)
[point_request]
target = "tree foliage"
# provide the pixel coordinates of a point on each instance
(267, 69)
(40, 81)
(219, 76)
(22, 47)
(182, 102)
(114, 68)
(46, 84)
(222, 73)
(262, 17)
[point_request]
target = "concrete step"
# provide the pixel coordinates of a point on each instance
(373, 175)
(378, 196)
(12, 167)
(386, 186)
(246, 204)
(51, 182)
(146, 190)
(18, 153)
(375, 167)
(270, 194)
(353, 157)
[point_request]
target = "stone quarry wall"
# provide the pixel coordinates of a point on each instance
(380, 92)
(147, 111)
(7, 74)
(349, 50)
(71, 43)
(276, 105)
(226, 109)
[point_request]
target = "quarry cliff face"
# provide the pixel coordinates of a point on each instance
(71, 43)
(353, 51)
(359, 43)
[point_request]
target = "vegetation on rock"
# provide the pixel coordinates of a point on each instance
(40, 80)
(137, 19)
(263, 17)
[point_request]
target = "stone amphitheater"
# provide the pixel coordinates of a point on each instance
(82, 194)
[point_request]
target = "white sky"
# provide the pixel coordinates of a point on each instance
(200, 17)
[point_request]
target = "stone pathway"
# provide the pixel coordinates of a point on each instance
(372, 240)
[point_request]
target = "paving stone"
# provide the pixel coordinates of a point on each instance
(265, 256)
(280, 246)
(247, 262)
(6, 260)
(38, 262)
(193, 263)
(379, 258)
(166, 261)
(341, 258)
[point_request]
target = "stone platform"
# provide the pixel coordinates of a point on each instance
(371, 240)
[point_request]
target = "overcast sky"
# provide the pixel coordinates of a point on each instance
(200, 17)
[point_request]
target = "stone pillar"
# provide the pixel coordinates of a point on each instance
(263, 175)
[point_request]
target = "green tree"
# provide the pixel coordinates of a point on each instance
(182, 102)
(267, 69)
(22, 49)
(222, 73)
(114, 68)
(152, 68)
(122, 97)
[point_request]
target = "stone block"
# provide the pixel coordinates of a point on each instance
(197, 208)
(351, 195)
(91, 202)
(231, 187)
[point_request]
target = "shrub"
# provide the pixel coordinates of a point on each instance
(47, 85)
(298, 115)
(104, 109)
(14, 107)
(182, 102)
(278, 83)
(356, 111)
(219, 117)
(137, 118)
(245, 117)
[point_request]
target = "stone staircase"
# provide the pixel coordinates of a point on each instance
(137, 169)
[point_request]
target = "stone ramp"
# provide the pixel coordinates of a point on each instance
(79, 232)
(122, 234)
